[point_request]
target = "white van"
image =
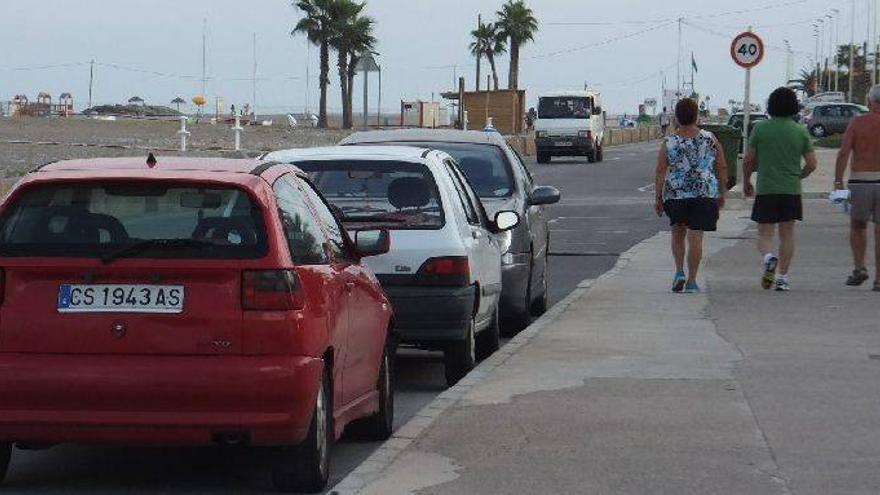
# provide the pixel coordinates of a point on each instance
(570, 123)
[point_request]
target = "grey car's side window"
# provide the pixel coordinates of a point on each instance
(530, 182)
(469, 209)
(470, 194)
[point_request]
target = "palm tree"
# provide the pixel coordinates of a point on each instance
(318, 25)
(516, 23)
(352, 35)
(361, 42)
(178, 101)
(488, 42)
(481, 37)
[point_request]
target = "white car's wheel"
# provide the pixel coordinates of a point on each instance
(460, 356)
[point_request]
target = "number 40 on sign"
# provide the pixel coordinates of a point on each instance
(747, 50)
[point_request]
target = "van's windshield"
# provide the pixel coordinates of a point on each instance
(151, 220)
(564, 107)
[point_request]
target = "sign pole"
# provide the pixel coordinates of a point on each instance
(747, 114)
(747, 51)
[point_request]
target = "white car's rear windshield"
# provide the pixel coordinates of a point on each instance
(392, 194)
(149, 220)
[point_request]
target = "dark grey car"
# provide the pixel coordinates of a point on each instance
(832, 118)
(501, 179)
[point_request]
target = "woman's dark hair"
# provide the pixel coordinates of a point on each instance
(686, 112)
(783, 102)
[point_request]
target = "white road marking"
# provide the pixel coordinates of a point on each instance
(650, 187)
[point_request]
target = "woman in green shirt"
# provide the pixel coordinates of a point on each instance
(776, 148)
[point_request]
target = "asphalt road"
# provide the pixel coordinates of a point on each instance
(606, 209)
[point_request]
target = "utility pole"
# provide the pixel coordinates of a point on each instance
(816, 58)
(479, 55)
(876, 47)
(91, 80)
(308, 77)
(789, 64)
(835, 51)
(873, 37)
(821, 54)
(678, 64)
(254, 98)
(828, 62)
(852, 53)
(205, 56)
(868, 44)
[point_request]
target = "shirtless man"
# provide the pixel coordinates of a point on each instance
(862, 142)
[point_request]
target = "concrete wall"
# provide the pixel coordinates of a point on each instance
(525, 145)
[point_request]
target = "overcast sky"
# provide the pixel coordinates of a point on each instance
(153, 48)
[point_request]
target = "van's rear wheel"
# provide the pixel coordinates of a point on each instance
(5, 456)
(460, 357)
(600, 153)
(306, 467)
(591, 156)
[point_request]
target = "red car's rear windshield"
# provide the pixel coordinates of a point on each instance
(146, 220)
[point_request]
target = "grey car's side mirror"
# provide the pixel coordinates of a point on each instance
(505, 220)
(544, 195)
(372, 242)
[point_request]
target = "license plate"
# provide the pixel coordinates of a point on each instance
(120, 298)
(563, 143)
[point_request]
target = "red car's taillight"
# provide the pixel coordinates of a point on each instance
(271, 290)
(447, 271)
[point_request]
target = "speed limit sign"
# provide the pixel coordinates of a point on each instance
(747, 50)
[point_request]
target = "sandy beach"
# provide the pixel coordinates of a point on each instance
(27, 142)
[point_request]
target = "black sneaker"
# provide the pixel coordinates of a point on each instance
(769, 273)
(858, 277)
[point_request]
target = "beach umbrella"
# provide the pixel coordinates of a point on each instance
(178, 101)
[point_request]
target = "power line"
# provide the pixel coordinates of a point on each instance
(598, 43)
(771, 6)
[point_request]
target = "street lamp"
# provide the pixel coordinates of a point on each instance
(836, 48)
(820, 52)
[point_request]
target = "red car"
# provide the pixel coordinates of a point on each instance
(189, 301)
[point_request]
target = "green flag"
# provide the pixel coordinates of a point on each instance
(694, 63)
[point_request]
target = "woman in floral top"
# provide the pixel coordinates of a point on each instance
(690, 190)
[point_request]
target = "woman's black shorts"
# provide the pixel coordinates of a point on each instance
(777, 208)
(695, 213)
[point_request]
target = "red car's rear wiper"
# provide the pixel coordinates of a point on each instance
(142, 246)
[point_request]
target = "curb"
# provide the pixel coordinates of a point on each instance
(372, 467)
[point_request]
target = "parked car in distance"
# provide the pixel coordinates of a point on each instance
(503, 182)
(737, 119)
(570, 123)
(443, 273)
(189, 301)
(831, 118)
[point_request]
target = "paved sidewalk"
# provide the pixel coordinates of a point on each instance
(627, 388)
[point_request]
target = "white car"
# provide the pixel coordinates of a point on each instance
(443, 272)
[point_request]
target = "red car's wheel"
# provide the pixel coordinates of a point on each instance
(306, 467)
(5, 456)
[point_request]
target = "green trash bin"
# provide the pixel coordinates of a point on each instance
(729, 137)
